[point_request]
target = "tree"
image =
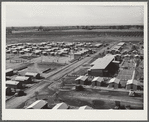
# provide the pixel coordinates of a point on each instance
(12, 28)
(9, 31)
(40, 28)
(78, 27)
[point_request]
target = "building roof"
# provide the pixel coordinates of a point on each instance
(135, 82)
(81, 52)
(9, 70)
(98, 44)
(99, 79)
(102, 63)
(84, 107)
(121, 43)
(38, 51)
(37, 104)
(21, 78)
(83, 78)
(61, 106)
(116, 47)
(10, 82)
(31, 74)
(114, 80)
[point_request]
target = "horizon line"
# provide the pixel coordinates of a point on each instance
(77, 25)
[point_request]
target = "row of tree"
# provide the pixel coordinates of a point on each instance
(9, 30)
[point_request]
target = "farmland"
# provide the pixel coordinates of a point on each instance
(96, 35)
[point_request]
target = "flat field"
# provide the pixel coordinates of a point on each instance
(95, 35)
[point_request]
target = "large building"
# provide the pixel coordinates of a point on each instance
(103, 67)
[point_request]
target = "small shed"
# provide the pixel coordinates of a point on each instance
(32, 75)
(9, 72)
(61, 106)
(114, 83)
(85, 107)
(23, 79)
(133, 84)
(44, 53)
(82, 80)
(8, 51)
(8, 91)
(14, 84)
(21, 52)
(39, 104)
(37, 52)
(97, 81)
(14, 52)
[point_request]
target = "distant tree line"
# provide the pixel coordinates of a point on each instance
(112, 27)
(9, 30)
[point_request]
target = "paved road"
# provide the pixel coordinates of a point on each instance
(17, 101)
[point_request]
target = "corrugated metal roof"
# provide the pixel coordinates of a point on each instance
(102, 63)
(121, 43)
(37, 104)
(114, 80)
(61, 106)
(99, 79)
(83, 78)
(85, 107)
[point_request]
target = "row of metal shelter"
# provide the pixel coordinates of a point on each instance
(116, 48)
(83, 80)
(80, 53)
(42, 104)
(112, 83)
(52, 44)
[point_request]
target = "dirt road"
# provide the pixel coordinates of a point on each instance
(17, 101)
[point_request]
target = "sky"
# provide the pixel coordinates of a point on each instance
(67, 15)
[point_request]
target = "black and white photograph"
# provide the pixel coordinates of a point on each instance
(74, 61)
